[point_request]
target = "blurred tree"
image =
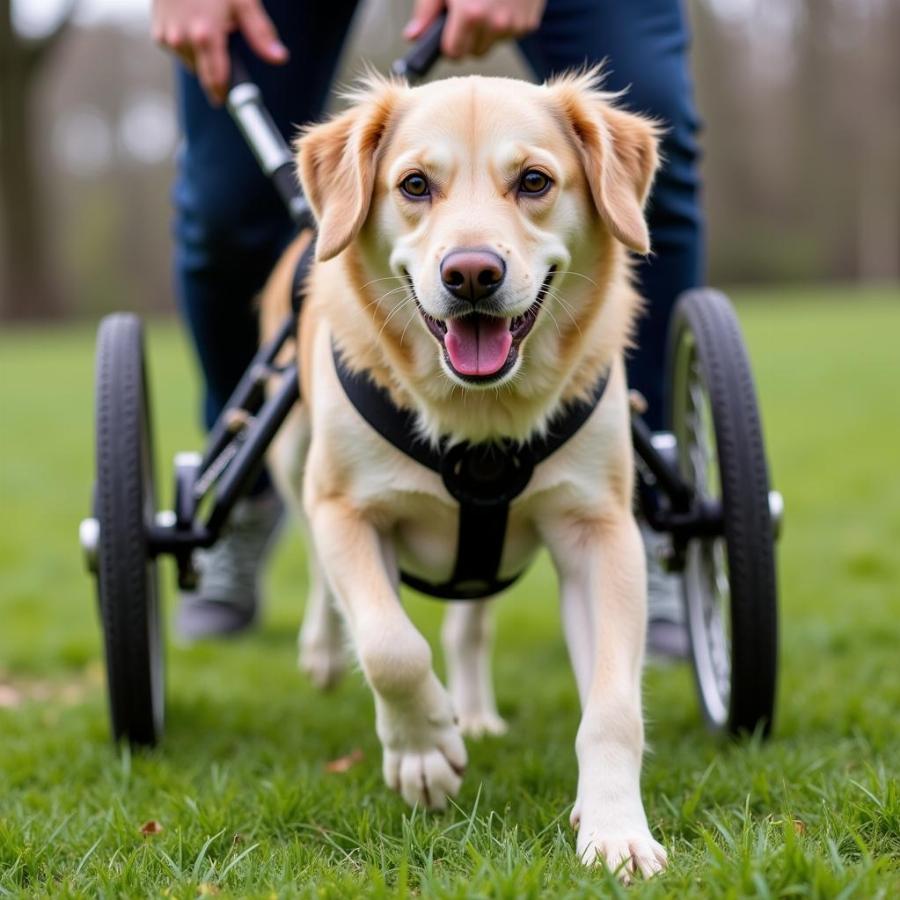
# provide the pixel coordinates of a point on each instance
(28, 288)
(801, 100)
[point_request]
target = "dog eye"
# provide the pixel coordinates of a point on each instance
(534, 182)
(415, 186)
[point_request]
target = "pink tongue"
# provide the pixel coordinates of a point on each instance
(478, 345)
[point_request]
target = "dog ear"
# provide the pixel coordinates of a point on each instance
(619, 153)
(337, 161)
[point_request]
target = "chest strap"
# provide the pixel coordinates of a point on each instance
(483, 478)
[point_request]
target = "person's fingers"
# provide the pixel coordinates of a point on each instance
(423, 14)
(483, 39)
(186, 57)
(210, 52)
(259, 31)
(175, 39)
(456, 41)
(524, 19)
(502, 22)
(158, 34)
(473, 28)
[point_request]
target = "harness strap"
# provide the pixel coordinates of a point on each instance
(396, 424)
(399, 425)
(479, 548)
(482, 478)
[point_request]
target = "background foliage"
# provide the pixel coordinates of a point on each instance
(801, 100)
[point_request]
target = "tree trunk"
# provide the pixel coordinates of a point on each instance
(27, 286)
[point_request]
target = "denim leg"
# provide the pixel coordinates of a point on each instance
(645, 45)
(230, 225)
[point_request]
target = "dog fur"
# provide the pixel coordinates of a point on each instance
(370, 511)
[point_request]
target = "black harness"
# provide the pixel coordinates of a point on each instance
(483, 478)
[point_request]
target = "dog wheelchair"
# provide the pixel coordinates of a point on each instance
(703, 482)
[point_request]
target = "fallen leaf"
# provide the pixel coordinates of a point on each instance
(205, 889)
(344, 763)
(799, 826)
(151, 827)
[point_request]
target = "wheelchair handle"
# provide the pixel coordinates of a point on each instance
(424, 54)
(245, 104)
(266, 142)
(239, 73)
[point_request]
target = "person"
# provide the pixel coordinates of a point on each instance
(230, 226)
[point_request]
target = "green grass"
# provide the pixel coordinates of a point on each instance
(239, 785)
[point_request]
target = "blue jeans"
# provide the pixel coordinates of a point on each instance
(230, 226)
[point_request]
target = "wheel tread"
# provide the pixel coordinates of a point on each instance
(744, 479)
(128, 601)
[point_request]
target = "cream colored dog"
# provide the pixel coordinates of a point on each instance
(472, 257)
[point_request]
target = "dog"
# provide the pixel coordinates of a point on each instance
(473, 262)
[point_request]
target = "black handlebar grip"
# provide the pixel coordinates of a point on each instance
(239, 73)
(424, 54)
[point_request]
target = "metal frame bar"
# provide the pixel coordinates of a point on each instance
(240, 446)
(668, 503)
(239, 474)
(249, 393)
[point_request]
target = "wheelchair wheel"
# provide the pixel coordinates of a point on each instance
(729, 582)
(125, 504)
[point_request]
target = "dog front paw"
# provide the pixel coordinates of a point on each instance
(426, 777)
(424, 753)
(323, 660)
(478, 724)
(624, 849)
(624, 854)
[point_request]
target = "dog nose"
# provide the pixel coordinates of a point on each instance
(472, 274)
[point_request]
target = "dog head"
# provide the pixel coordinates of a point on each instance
(488, 218)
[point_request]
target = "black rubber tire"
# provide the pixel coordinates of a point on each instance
(704, 324)
(125, 504)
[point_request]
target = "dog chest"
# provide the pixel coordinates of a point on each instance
(426, 537)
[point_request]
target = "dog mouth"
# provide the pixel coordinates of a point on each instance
(482, 348)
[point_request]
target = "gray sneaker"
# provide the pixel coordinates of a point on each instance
(667, 634)
(226, 600)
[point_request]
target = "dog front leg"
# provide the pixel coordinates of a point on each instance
(466, 636)
(602, 574)
(424, 754)
(320, 642)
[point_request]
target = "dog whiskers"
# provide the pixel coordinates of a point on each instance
(409, 319)
(386, 278)
(393, 312)
(395, 290)
(565, 306)
(553, 320)
(561, 272)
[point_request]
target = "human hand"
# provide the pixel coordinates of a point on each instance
(197, 32)
(474, 26)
